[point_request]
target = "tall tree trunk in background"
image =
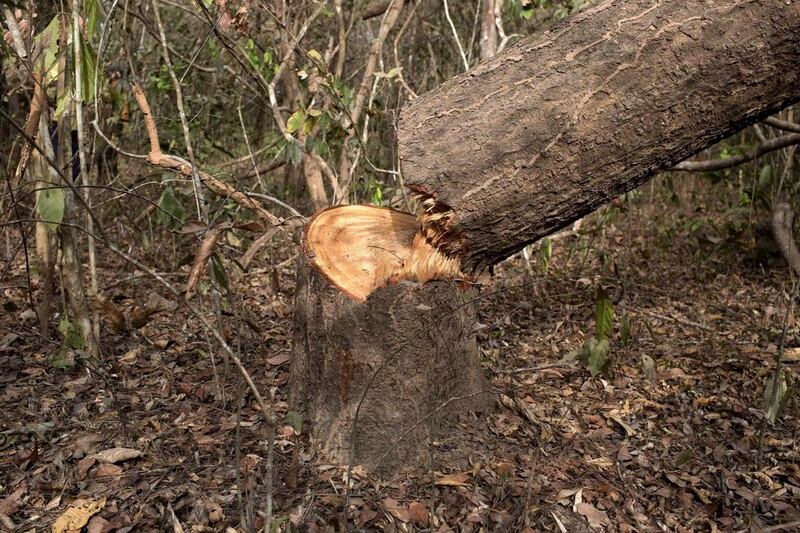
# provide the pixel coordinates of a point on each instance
(566, 119)
(488, 40)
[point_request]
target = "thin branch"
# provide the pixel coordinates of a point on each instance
(455, 34)
(200, 203)
(183, 167)
(752, 153)
(784, 125)
(83, 163)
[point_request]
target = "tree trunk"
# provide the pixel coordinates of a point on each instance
(565, 120)
(404, 362)
(488, 41)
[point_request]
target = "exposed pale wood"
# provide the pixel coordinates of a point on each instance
(360, 248)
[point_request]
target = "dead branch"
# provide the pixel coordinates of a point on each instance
(751, 153)
(784, 125)
(31, 125)
(375, 9)
(183, 167)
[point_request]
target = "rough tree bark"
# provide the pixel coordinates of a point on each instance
(376, 380)
(567, 119)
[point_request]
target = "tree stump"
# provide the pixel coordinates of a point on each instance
(378, 377)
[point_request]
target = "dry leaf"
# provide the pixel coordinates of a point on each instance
(176, 525)
(565, 494)
(97, 525)
(418, 513)
(84, 465)
(111, 314)
(10, 503)
(143, 311)
(396, 510)
(201, 256)
(597, 519)
(629, 431)
(214, 510)
(85, 444)
(116, 455)
(453, 480)
(108, 470)
(77, 515)
(279, 359)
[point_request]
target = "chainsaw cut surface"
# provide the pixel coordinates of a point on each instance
(358, 247)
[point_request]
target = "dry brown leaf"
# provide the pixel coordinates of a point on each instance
(565, 494)
(396, 510)
(201, 256)
(10, 503)
(144, 310)
(85, 444)
(453, 480)
(77, 515)
(597, 519)
(116, 455)
(84, 465)
(629, 431)
(419, 513)
(176, 525)
(255, 247)
(111, 314)
(97, 525)
(108, 470)
(279, 359)
(214, 510)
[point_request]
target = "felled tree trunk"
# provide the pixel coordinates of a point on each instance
(565, 120)
(379, 370)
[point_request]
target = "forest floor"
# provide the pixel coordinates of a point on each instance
(678, 449)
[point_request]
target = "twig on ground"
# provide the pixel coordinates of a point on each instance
(667, 317)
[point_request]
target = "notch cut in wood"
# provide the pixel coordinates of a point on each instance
(361, 248)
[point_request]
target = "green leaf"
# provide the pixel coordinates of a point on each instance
(598, 357)
(625, 330)
(776, 393)
(218, 269)
(377, 195)
(63, 104)
(91, 18)
(171, 213)
(63, 358)
(47, 42)
(295, 121)
(295, 420)
(545, 253)
(395, 72)
(594, 354)
(88, 67)
(50, 206)
(604, 315)
(316, 56)
(73, 338)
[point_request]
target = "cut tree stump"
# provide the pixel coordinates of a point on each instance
(401, 355)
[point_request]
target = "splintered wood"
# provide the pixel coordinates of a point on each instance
(361, 248)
